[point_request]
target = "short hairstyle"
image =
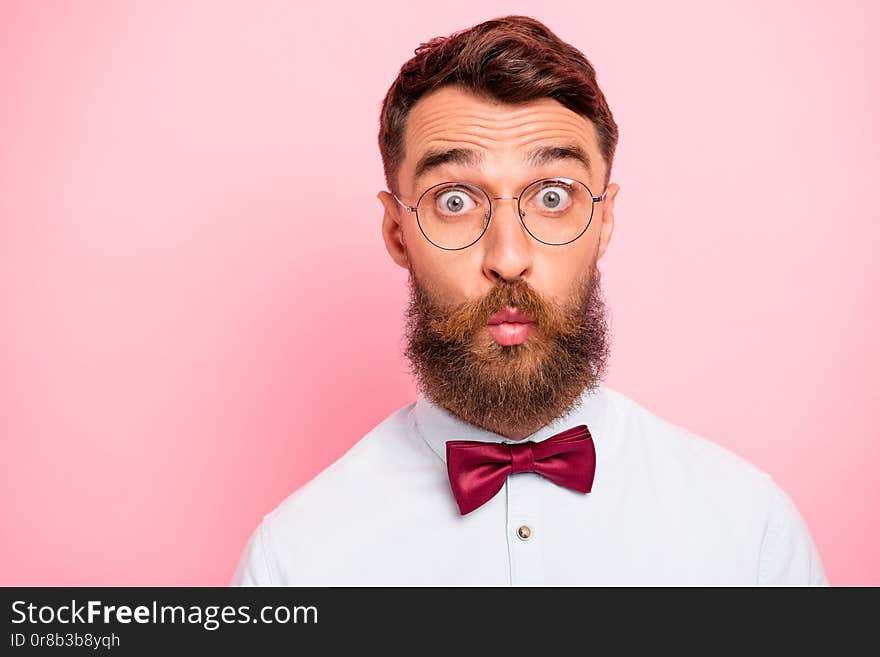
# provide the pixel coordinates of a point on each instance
(513, 59)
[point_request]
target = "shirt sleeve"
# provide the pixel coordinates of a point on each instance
(788, 555)
(254, 565)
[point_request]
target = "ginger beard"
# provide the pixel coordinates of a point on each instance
(508, 389)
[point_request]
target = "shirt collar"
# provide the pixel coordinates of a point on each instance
(436, 425)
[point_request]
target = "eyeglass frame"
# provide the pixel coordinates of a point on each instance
(519, 210)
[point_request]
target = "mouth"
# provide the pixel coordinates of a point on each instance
(511, 316)
(510, 327)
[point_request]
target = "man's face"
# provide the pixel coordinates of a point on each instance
(510, 386)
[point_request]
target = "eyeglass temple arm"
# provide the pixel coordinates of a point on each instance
(408, 207)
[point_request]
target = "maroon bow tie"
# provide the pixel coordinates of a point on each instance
(477, 469)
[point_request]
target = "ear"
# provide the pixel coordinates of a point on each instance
(607, 215)
(392, 230)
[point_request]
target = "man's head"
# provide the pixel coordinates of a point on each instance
(500, 106)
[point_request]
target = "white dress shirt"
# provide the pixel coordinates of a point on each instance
(667, 507)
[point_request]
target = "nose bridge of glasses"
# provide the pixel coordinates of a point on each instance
(517, 210)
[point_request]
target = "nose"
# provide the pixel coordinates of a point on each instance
(507, 250)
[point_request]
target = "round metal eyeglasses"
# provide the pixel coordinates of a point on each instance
(454, 215)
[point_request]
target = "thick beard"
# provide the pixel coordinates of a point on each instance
(515, 389)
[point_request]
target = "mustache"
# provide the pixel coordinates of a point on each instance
(462, 321)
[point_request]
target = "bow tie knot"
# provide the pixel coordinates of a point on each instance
(477, 469)
(522, 458)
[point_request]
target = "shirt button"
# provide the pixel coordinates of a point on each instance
(524, 532)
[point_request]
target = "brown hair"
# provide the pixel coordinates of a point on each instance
(513, 59)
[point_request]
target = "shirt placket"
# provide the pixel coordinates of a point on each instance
(525, 528)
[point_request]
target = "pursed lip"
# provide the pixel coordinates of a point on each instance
(510, 315)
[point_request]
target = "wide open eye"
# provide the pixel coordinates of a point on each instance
(453, 201)
(554, 197)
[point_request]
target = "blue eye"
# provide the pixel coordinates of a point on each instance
(555, 198)
(454, 201)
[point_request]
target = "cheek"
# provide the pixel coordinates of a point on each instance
(556, 277)
(443, 271)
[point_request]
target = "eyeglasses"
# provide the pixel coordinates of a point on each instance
(454, 215)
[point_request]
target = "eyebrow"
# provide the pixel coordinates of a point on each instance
(435, 158)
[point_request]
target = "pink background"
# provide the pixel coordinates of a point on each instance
(189, 233)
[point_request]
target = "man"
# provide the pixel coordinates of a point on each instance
(516, 465)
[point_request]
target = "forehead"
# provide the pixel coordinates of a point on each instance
(451, 117)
